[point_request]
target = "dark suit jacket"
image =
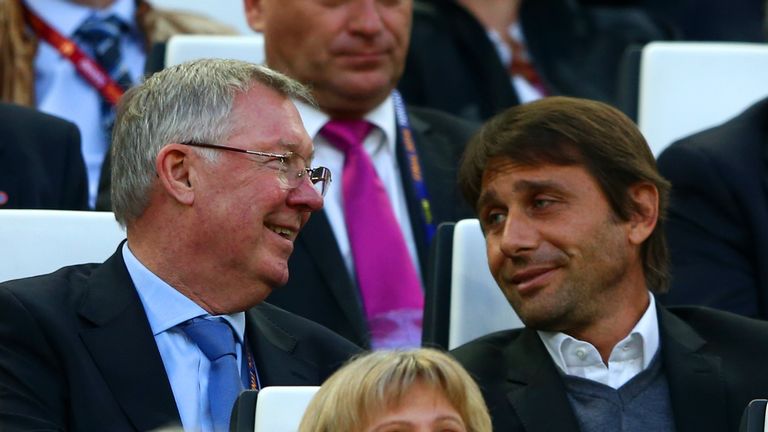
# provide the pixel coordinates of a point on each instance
(718, 215)
(41, 166)
(714, 363)
(452, 65)
(319, 286)
(77, 353)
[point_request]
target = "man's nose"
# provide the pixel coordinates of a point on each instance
(365, 17)
(520, 235)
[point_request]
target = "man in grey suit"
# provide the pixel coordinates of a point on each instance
(571, 205)
(212, 180)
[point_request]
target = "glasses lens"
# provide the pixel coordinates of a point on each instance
(293, 171)
(321, 179)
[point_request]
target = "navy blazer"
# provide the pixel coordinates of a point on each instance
(717, 222)
(77, 353)
(319, 286)
(714, 363)
(453, 65)
(41, 165)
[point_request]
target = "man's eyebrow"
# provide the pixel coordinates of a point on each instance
(292, 146)
(486, 197)
(520, 187)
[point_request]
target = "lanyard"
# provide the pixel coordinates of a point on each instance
(87, 67)
(249, 365)
(414, 165)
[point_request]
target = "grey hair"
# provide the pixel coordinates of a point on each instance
(187, 102)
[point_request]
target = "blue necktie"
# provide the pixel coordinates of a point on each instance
(101, 37)
(217, 341)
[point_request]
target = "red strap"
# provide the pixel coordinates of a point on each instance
(87, 67)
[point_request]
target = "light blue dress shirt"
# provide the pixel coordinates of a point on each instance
(186, 366)
(61, 91)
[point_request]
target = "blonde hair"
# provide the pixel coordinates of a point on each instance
(351, 398)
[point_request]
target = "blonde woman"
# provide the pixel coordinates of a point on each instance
(382, 391)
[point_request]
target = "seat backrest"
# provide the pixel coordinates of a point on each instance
(478, 306)
(280, 408)
(183, 48)
(755, 417)
(686, 87)
(230, 12)
(34, 242)
(437, 293)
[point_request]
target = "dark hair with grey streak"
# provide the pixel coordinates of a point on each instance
(570, 131)
(187, 102)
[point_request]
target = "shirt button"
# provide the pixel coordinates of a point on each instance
(626, 347)
(581, 354)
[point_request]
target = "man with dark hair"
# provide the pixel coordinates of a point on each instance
(213, 183)
(571, 204)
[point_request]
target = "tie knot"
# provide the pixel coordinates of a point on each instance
(215, 338)
(346, 134)
(96, 29)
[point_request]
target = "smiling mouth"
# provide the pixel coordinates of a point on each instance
(527, 280)
(284, 232)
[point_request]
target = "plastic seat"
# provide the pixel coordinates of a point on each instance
(183, 48)
(437, 293)
(271, 409)
(230, 12)
(755, 417)
(34, 242)
(686, 87)
(477, 305)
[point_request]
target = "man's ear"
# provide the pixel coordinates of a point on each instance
(254, 14)
(175, 172)
(645, 214)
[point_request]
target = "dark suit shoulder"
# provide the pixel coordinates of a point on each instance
(15, 113)
(725, 329)
(444, 122)
(486, 352)
(739, 139)
(313, 337)
(50, 287)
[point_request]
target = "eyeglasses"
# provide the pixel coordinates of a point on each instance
(291, 167)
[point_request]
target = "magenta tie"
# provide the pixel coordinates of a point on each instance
(388, 281)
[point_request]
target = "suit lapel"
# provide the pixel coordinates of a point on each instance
(696, 382)
(534, 387)
(318, 240)
(123, 347)
(273, 351)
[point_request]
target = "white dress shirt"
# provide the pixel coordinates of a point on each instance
(186, 366)
(61, 91)
(380, 146)
(629, 357)
(526, 91)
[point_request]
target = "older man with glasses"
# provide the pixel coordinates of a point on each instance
(173, 326)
